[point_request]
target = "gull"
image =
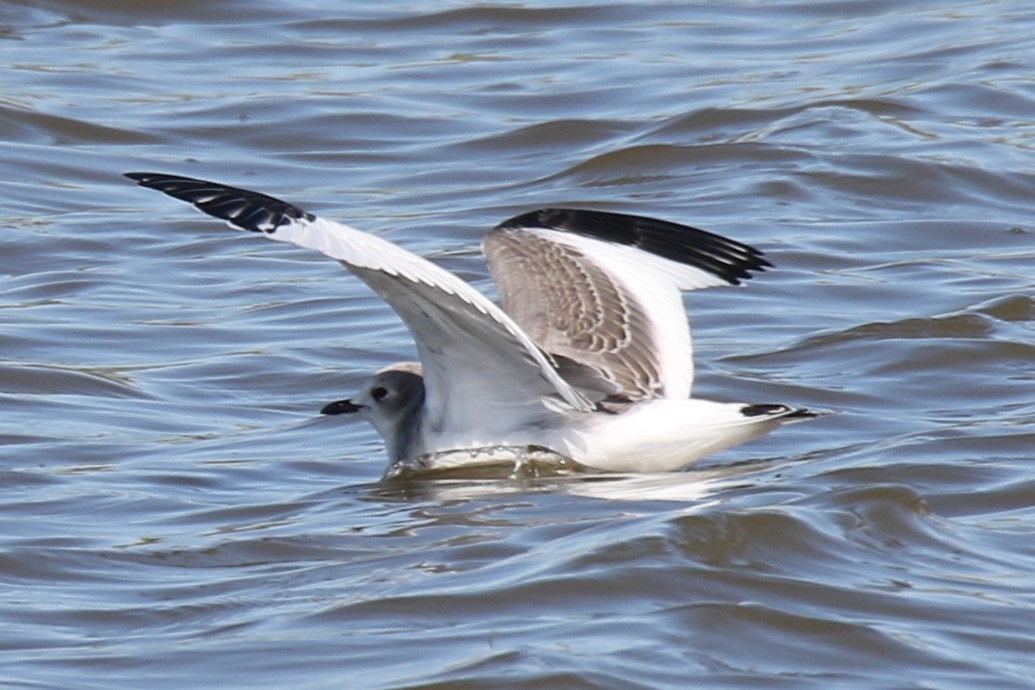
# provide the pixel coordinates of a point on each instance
(589, 358)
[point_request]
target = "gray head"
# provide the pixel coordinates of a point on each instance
(391, 400)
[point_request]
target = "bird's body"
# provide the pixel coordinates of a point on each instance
(590, 356)
(653, 436)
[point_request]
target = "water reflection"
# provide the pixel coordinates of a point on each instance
(462, 484)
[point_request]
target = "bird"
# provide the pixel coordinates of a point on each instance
(588, 357)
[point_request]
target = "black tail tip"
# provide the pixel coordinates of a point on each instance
(779, 411)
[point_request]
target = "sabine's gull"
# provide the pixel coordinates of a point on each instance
(589, 357)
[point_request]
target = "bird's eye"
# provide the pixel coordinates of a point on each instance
(378, 393)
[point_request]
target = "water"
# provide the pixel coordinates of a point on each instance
(175, 513)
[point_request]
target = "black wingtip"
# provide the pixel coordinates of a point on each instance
(725, 258)
(242, 208)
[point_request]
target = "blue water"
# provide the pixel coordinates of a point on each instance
(176, 513)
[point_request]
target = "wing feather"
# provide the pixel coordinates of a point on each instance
(604, 290)
(459, 333)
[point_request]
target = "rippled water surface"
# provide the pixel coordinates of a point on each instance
(175, 513)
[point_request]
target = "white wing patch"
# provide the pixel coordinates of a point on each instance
(457, 338)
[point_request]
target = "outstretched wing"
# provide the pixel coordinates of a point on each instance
(603, 290)
(475, 357)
